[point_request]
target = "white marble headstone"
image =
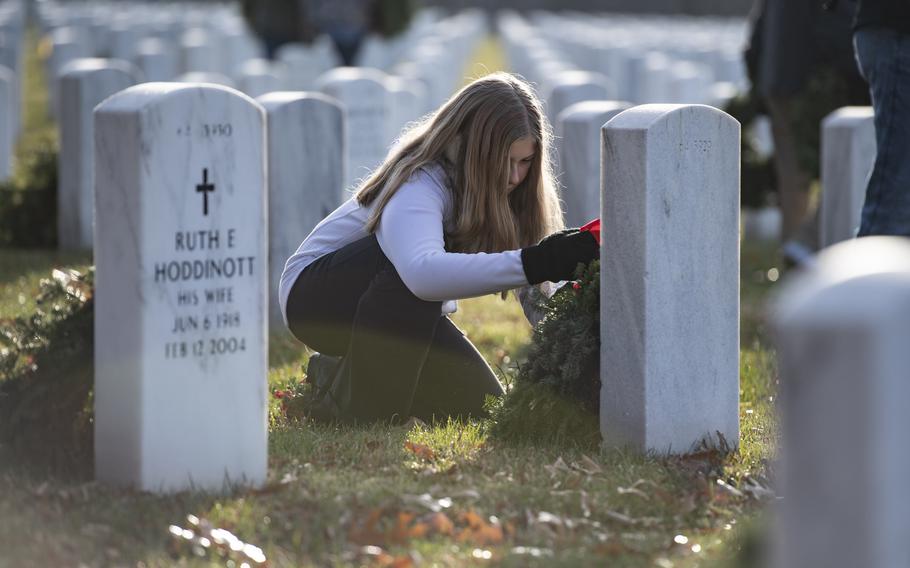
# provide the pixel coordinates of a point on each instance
(199, 52)
(257, 77)
(180, 298)
(84, 83)
(367, 104)
(841, 330)
(409, 98)
(8, 110)
(302, 65)
(157, 60)
(848, 154)
(66, 46)
(570, 87)
(670, 278)
(11, 58)
(306, 168)
(205, 77)
(578, 128)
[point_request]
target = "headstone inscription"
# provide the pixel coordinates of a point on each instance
(84, 83)
(670, 278)
(180, 299)
(578, 128)
(306, 168)
(367, 105)
(848, 154)
(841, 330)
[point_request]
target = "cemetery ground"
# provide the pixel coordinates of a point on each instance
(419, 494)
(447, 494)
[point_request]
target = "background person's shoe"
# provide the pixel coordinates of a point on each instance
(797, 254)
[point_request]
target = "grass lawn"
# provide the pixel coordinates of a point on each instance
(415, 495)
(418, 494)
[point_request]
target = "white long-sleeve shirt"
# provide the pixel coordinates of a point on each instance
(411, 234)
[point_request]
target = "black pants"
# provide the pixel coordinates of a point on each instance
(401, 357)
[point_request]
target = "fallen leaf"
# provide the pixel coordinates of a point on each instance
(441, 524)
(585, 509)
(420, 450)
(625, 519)
(467, 494)
(489, 534)
(729, 488)
(632, 491)
(588, 466)
(473, 519)
(557, 467)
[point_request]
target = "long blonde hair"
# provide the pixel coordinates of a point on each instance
(470, 135)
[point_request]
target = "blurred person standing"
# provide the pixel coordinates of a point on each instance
(801, 65)
(882, 43)
(345, 21)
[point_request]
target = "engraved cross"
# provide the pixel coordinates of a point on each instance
(205, 187)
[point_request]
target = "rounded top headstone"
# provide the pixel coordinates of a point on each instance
(855, 280)
(139, 96)
(343, 74)
(849, 115)
(587, 110)
(276, 99)
(257, 66)
(209, 77)
(150, 46)
(644, 117)
(85, 65)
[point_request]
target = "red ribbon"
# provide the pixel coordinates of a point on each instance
(593, 227)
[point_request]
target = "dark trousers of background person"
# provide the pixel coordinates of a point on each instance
(401, 356)
(883, 56)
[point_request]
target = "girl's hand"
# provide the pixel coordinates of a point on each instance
(557, 256)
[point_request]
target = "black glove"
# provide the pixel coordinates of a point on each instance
(557, 256)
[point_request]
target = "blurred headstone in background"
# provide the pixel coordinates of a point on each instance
(842, 327)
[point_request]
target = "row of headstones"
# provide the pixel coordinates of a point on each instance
(184, 213)
(181, 337)
(163, 41)
(373, 112)
(641, 59)
(177, 44)
(848, 153)
(638, 59)
(376, 108)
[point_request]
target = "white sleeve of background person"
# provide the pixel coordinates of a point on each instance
(410, 233)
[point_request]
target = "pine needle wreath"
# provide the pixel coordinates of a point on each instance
(556, 396)
(46, 377)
